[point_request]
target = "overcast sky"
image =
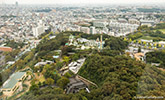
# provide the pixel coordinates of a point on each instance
(80, 1)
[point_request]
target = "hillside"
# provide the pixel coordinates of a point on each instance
(122, 78)
(116, 75)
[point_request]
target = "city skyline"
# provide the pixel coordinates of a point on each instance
(81, 1)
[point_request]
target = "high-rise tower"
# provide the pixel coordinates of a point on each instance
(16, 3)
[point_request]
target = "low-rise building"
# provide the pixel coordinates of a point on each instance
(75, 66)
(133, 21)
(147, 22)
(75, 85)
(43, 63)
(8, 49)
(14, 83)
(147, 41)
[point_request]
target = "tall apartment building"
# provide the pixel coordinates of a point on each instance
(92, 30)
(38, 31)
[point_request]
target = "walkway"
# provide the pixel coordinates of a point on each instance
(88, 82)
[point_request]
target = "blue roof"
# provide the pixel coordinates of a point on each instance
(55, 56)
(66, 43)
(11, 82)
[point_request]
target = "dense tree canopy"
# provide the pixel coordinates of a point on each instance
(154, 32)
(118, 77)
(156, 57)
(114, 75)
(13, 44)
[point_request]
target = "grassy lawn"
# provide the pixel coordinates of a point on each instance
(42, 79)
(162, 30)
(39, 78)
(147, 38)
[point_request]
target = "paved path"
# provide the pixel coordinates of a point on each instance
(28, 84)
(88, 82)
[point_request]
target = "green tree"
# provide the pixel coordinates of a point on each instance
(144, 43)
(58, 91)
(0, 79)
(34, 88)
(62, 82)
(134, 41)
(49, 81)
(139, 49)
(159, 45)
(67, 75)
(125, 39)
(139, 42)
(66, 59)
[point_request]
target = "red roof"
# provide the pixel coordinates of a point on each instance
(6, 49)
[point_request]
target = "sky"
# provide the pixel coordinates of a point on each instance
(81, 1)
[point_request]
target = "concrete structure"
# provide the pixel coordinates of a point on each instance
(16, 3)
(38, 31)
(43, 63)
(14, 83)
(57, 54)
(99, 24)
(122, 20)
(75, 85)
(147, 22)
(10, 62)
(75, 66)
(92, 30)
(147, 41)
(133, 21)
(85, 30)
(122, 29)
(82, 43)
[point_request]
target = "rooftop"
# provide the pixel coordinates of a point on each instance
(14, 78)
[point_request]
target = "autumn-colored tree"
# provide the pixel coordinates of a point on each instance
(62, 82)
(49, 81)
(66, 59)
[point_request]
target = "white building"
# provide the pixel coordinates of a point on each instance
(133, 21)
(147, 41)
(75, 66)
(99, 24)
(85, 30)
(122, 29)
(38, 31)
(92, 30)
(147, 22)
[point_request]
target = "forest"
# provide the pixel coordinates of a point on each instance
(118, 78)
(153, 32)
(156, 57)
